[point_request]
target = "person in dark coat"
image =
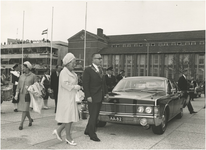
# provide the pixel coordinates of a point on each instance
(95, 89)
(110, 79)
(15, 74)
(55, 83)
(184, 87)
(120, 76)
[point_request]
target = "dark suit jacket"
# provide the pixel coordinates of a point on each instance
(94, 84)
(183, 83)
(55, 83)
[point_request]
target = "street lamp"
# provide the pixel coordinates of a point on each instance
(147, 56)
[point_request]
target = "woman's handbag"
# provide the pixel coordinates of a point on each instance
(43, 92)
(27, 97)
(79, 96)
(51, 93)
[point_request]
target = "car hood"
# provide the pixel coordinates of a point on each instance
(137, 95)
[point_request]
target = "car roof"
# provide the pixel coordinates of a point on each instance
(149, 77)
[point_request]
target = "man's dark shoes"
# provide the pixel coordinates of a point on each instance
(30, 123)
(96, 139)
(59, 124)
(86, 133)
(20, 127)
(193, 112)
(15, 110)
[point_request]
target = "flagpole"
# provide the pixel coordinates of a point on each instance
(22, 45)
(85, 31)
(51, 42)
(47, 34)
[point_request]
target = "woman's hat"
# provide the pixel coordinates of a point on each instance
(68, 58)
(28, 64)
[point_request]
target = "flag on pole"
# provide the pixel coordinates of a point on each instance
(44, 32)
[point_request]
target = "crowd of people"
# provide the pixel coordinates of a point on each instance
(30, 91)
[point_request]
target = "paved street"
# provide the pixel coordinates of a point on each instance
(185, 133)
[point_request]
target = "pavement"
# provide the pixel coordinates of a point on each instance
(185, 133)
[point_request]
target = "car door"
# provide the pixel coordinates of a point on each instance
(176, 98)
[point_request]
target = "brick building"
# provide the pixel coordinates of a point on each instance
(164, 54)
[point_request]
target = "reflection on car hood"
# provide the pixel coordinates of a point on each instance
(137, 95)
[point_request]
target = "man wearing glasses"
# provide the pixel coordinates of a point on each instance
(95, 89)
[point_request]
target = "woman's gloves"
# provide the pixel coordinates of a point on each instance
(77, 87)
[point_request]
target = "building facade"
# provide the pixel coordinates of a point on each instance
(154, 54)
(38, 54)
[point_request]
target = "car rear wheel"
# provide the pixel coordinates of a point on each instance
(179, 116)
(162, 127)
(101, 123)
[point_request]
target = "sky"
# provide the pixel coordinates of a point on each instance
(27, 19)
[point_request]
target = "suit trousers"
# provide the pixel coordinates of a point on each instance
(189, 105)
(94, 109)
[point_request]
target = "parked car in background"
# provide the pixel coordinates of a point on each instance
(147, 101)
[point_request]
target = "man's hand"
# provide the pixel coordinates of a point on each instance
(16, 96)
(89, 99)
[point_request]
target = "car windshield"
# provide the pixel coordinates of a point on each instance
(140, 84)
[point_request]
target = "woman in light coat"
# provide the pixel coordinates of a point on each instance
(67, 111)
(25, 80)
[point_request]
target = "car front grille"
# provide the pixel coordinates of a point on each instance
(118, 108)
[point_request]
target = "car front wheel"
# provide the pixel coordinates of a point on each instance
(162, 127)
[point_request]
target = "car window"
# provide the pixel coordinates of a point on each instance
(140, 84)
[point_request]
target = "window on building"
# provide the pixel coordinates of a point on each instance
(202, 43)
(128, 65)
(124, 45)
(128, 45)
(193, 43)
(153, 44)
(135, 45)
(187, 43)
(140, 44)
(179, 43)
(105, 61)
(173, 43)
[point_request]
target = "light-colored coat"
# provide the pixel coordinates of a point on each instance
(67, 110)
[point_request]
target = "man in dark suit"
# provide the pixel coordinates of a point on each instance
(95, 89)
(55, 83)
(110, 79)
(184, 87)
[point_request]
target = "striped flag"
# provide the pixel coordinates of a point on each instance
(44, 32)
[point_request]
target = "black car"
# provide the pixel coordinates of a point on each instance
(147, 101)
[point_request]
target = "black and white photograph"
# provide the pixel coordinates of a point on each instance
(102, 74)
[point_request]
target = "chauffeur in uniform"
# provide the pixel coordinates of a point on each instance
(110, 79)
(95, 89)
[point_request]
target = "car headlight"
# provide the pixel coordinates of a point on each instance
(148, 110)
(140, 109)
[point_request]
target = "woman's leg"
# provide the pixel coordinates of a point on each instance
(60, 128)
(68, 131)
(29, 116)
(23, 118)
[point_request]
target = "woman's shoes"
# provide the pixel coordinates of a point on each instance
(71, 143)
(20, 127)
(30, 123)
(55, 132)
